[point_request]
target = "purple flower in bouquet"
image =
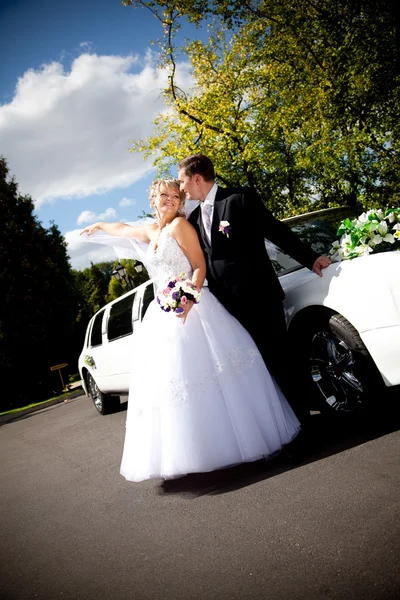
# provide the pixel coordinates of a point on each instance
(177, 294)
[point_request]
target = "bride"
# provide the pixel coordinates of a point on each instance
(200, 396)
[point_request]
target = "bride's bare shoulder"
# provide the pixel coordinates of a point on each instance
(152, 231)
(180, 224)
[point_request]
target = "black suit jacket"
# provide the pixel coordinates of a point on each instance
(239, 271)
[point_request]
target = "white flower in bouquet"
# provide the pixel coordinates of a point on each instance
(373, 231)
(176, 293)
(382, 228)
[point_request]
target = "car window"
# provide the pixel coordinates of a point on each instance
(148, 296)
(317, 230)
(120, 318)
(95, 334)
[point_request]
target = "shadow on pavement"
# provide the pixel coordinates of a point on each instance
(327, 438)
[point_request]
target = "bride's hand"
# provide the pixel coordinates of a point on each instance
(186, 310)
(90, 229)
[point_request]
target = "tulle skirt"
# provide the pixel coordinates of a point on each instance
(200, 396)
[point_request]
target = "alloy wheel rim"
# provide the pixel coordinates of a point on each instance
(335, 373)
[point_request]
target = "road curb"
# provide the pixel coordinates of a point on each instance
(22, 413)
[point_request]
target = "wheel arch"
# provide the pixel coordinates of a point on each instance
(85, 373)
(302, 319)
(305, 324)
(302, 323)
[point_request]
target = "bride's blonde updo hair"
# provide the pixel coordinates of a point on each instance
(158, 186)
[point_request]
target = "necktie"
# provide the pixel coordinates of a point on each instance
(206, 216)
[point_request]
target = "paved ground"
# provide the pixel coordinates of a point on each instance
(72, 528)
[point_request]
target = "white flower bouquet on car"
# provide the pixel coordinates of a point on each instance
(373, 231)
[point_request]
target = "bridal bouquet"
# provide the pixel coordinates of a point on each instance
(177, 293)
(373, 231)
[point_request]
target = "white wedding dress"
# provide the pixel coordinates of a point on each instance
(200, 397)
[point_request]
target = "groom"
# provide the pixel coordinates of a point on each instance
(232, 225)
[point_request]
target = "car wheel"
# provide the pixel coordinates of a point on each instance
(344, 377)
(104, 403)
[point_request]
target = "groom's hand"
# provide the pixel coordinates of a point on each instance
(321, 263)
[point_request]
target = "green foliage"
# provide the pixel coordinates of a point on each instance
(95, 286)
(36, 298)
(116, 288)
(145, 215)
(297, 99)
(74, 377)
(45, 305)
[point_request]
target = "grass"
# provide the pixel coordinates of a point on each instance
(73, 378)
(16, 410)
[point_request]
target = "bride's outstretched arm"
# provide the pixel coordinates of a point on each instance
(141, 233)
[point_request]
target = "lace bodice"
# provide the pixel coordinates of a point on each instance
(168, 260)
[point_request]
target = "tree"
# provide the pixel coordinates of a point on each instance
(36, 319)
(295, 98)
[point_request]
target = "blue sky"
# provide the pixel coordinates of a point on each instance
(78, 80)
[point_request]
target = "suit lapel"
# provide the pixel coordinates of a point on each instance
(203, 238)
(218, 215)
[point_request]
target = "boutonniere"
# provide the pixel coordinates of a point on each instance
(225, 228)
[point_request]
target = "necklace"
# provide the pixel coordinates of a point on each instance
(157, 237)
(159, 233)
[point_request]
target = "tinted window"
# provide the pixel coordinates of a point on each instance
(95, 334)
(120, 318)
(317, 230)
(148, 296)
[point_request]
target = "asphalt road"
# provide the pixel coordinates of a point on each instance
(73, 528)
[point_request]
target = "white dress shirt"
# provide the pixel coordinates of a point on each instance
(210, 198)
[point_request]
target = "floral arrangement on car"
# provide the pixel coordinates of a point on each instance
(177, 293)
(88, 360)
(372, 232)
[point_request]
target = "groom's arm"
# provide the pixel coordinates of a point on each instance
(279, 233)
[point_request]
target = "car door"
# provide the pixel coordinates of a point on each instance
(96, 349)
(118, 339)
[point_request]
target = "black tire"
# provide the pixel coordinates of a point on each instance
(343, 377)
(103, 403)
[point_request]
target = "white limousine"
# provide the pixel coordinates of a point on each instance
(345, 326)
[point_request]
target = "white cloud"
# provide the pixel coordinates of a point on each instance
(87, 46)
(88, 216)
(66, 133)
(126, 202)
